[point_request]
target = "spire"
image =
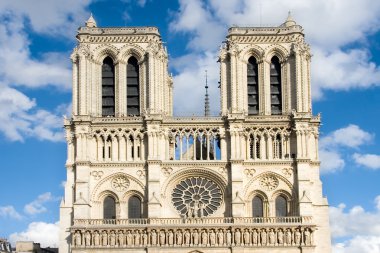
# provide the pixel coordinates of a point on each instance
(91, 21)
(207, 101)
(289, 21)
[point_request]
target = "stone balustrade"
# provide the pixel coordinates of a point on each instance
(256, 221)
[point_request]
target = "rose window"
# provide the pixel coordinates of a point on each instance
(120, 183)
(196, 197)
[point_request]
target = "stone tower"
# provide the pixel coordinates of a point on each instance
(141, 180)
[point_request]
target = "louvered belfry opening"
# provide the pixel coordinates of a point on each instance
(253, 87)
(275, 86)
(108, 87)
(133, 92)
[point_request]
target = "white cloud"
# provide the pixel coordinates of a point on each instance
(362, 228)
(37, 205)
(328, 29)
(49, 17)
(20, 67)
(342, 71)
(47, 234)
(368, 160)
(9, 211)
(190, 83)
(24, 120)
(332, 161)
(362, 244)
(331, 145)
(350, 136)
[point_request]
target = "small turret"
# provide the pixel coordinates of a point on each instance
(91, 22)
(289, 21)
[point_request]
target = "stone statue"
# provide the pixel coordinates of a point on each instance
(179, 237)
(189, 211)
(104, 238)
(204, 238)
(96, 238)
(237, 237)
(120, 238)
(153, 236)
(195, 237)
(87, 238)
(254, 237)
(307, 235)
(220, 237)
(137, 238)
(162, 237)
(280, 237)
(228, 237)
(288, 237)
(212, 238)
(272, 237)
(129, 238)
(246, 238)
(112, 238)
(78, 238)
(171, 237)
(187, 238)
(297, 237)
(196, 208)
(263, 237)
(145, 238)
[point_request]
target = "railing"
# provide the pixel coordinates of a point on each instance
(197, 221)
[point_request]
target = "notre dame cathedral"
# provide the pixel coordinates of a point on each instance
(142, 180)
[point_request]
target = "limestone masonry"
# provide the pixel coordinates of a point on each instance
(142, 180)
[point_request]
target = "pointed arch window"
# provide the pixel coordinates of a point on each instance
(257, 207)
(281, 206)
(109, 208)
(275, 86)
(133, 92)
(252, 86)
(134, 207)
(108, 87)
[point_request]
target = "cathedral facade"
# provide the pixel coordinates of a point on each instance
(142, 180)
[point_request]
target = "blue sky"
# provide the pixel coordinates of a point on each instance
(36, 38)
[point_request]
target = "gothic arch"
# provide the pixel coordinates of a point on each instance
(129, 50)
(255, 51)
(131, 193)
(281, 192)
(98, 188)
(102, 195)
(250, 185)
(103, 51)
(276, 50)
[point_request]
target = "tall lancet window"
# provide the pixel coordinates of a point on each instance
(275, 86)
(257, 207)
(133, 94)
(253, 87)
(281, 206)
(109, 208)
(108, 87)
(134, 207)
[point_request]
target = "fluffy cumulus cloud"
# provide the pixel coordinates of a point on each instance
(332, 145)
(47, 234)
(328, 29)
(371, 161)
(360, 229)
(19, 68)
(9, 212)
(37, 205)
